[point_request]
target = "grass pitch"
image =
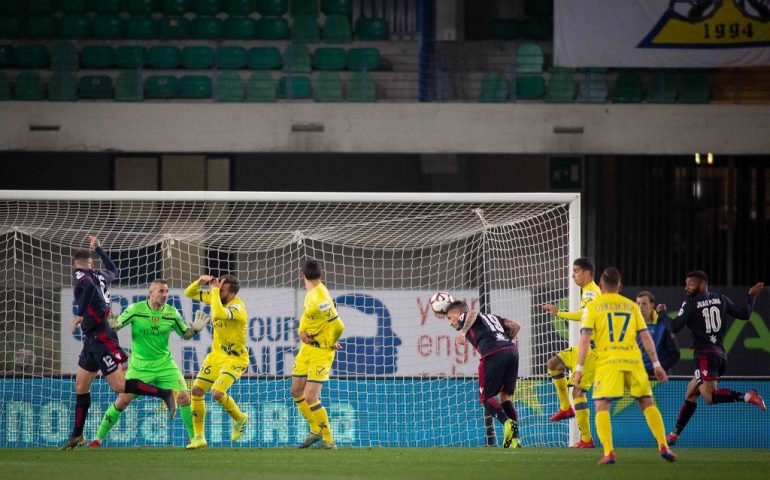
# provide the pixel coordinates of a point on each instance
(377, 464)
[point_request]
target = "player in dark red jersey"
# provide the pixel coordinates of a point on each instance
(101, 350)
(492, 336)
(705, 313)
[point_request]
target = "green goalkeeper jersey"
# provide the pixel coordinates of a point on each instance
(149, 332)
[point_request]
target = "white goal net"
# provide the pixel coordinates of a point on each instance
(399, 380)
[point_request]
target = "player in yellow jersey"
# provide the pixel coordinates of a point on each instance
(319, 329)
(229, 357)
(614, 322)
(583, 275)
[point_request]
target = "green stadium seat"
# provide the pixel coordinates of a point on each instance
(240, 28)
(74, 27)
(662, 87)
(128, 87)
(265, 58)
(529, 87)
(107, 27)
(504, 29)
(272, 7)
(97, 56)
(29, 87)
(195, 86)
(303, 7)
(95, 87)
(129, 56)
(529, 58)
(362, 88)
(372, 29)
(106, 7)
(63, 87)
(141, 7)
(39, 7)
(537, 29)
(73, 7)
(329, 58)
(174, 28)
(336, 7)
(293, 87)
(11, 27)
(41, 27)
(561, 87)
(239, 8)
(232, 58)
(230, 87)
(494, 88)
(272, 28)
(363, 59)
(206, 28)
(32, 56)
(628, 88)
(538, 8)
(11, 7)
(328, 87)
(164, 57)
(337, 29)
(296, 58)
(161, 87)
(694, 87)
(7, 56)
(304, 28)
(140, 27)
(5, 87)
(64, 57)
(197, 57)
(174, 7)
(206, 7)
(261, 88)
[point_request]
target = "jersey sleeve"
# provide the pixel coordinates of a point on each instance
(218, 311)
(639, 322)
(682, 318)
(573, 316)
(111, 273)
(587, 320)
(126, 316)
(740, 312)
(194, 291)
(180, 327)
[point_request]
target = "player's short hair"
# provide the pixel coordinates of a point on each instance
(457, 305)
(645, 293)
(699, 274)
(158, 281)
(232, 280)
(611, 277)
(311, 269)
(81, 255)
(584, 263)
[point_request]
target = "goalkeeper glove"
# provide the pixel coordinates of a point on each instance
(201, 319)
(112, 319)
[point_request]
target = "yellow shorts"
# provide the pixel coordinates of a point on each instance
(569, 358)
(610, 384)
(313, 363)
(220, 372)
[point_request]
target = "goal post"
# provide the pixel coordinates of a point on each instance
(399, 379)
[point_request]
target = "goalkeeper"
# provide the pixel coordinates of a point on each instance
(151, 361)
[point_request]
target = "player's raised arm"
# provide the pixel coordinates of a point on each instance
(111, 272)
(512, 327)
(194, 289)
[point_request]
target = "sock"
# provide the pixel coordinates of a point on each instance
(82, 404)
(198, 414)
(110, 418)
(138, 387)
(321, 418)
(304, 409)
(604, 430)
(655, 422)
(685, 414)
(725, 395)
(583, 418)
(510, 411)
(185, 411)
(560, 382)
(230, 407)
(493, 409)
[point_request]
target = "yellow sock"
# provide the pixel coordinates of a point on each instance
(321, 418)
(199, 414)
(231, 407)
(304, 409)
(560, 382)
(604, 429)
(583, 418)
(655, 422)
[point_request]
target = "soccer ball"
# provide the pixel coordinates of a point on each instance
(440, 301)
